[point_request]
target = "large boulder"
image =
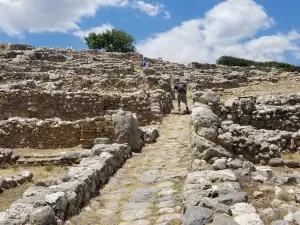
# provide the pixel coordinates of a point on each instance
(204, 118)
(127, 130)
(210, 97)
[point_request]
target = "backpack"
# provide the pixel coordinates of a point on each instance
(181, 88)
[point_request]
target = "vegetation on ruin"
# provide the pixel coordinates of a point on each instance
(111, 41)
(234, 61)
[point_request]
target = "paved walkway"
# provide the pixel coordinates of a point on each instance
(148, 189)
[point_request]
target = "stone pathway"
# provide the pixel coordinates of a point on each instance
(148, 189)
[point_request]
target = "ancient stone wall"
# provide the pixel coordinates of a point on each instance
(212, 192)
(19, 132)
(64, 105)
(258, 146)
(150, 106)
(249, 111)
(55, 133)
(59, 202)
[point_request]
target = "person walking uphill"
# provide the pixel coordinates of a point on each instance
(181, 88)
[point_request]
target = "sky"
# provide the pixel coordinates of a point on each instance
(176, 30)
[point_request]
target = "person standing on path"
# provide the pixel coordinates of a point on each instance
(181, 89)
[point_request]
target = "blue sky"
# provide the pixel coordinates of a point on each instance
(179, 31)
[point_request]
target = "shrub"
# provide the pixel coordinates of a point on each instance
(233, 61)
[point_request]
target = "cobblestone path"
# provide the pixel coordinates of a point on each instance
(147, 190)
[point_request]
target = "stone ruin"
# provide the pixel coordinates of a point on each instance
(105, 103)
(238, 146)
(61, 98)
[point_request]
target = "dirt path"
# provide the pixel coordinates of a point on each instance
(148, 189)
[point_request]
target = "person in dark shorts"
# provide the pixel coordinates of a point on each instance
(181, 89)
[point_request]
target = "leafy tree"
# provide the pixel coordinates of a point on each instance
(111, 41)
(233, 61)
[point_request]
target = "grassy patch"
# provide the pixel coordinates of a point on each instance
(49, 168)
(11, 195)
(285, 196)
(175, 222)
(263, 89)
(279, 215)
(291, 156)
(261, 203)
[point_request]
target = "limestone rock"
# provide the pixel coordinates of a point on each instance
(43, 216)
(126, 130)
(150, 133)
(195, 215)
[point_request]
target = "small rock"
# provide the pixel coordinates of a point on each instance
(258, 194)
(166, 210)
(276, 162)
(235, 164)
(46, 182)
(292, 163)
(219, 164)
(233, 198)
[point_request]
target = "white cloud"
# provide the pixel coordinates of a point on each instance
(167, 15)
(153, 9)
(20, 16)
(84, 33)
(222, 31)
(17, 16)
(149, 9)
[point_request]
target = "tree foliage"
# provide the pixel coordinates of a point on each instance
(111, 41)
(233, 61)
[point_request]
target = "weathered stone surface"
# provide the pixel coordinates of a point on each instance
(242, 208)
(126, 129)
(195, 215)
(150, 133)
(233, 198)
(43, 215)
(248, 219)
(105, 141)
(276, 162)
(223, 219)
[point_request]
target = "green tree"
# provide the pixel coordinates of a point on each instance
(233, 61)
(112, 41)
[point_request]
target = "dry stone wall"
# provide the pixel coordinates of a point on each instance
(64, 105)
(259, 146)
(212, 192)
(57, 203)
(78, 105)
(250, 111)
(55, 133)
